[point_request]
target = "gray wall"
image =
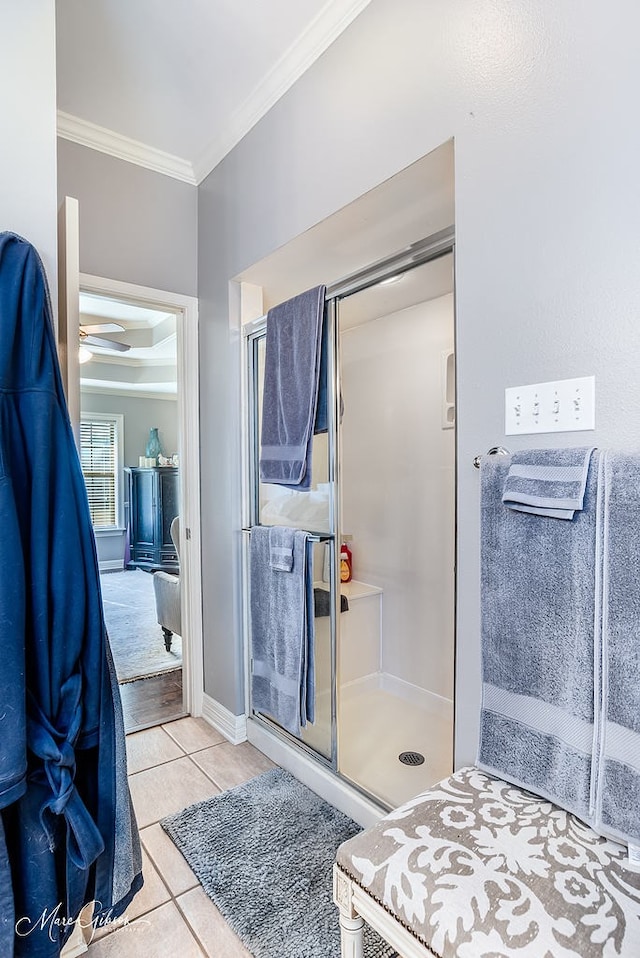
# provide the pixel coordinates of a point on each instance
(541, 100)
(28, 123)
(136, 226)
(140, 414)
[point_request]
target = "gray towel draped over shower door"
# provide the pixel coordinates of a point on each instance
(282, 626)
(290, 397)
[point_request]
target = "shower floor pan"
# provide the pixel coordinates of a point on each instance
(376, 726)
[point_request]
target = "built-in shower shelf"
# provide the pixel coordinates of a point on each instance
(360, 631)
(353, 589)
(358, 590)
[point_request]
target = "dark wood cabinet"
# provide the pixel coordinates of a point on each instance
(153, 504)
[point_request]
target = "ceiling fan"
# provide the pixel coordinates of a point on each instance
(89, 339)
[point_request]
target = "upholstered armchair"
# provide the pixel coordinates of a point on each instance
(167, 590)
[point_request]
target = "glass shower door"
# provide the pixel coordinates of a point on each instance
(397, 483)
(312, 511)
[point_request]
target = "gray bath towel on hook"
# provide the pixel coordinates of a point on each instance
(282, 626)
(548, 482)
(618, 791)
(539, 615)
(561, 647)
(292, 369)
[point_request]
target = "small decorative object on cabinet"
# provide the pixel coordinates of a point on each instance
(154, 449)
(153, 505)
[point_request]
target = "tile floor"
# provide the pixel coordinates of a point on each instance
(172, 766)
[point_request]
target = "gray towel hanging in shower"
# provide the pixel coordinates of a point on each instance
(292, 368)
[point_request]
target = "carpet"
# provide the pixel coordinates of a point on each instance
(264, 854)
(136, 638)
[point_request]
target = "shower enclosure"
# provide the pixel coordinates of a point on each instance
(384, 477)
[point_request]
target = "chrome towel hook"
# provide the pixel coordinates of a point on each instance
(494, 451)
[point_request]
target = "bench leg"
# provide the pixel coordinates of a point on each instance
(351, 924)
(350, 936)
(168, 636)
(76, 944)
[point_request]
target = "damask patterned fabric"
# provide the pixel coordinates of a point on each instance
(477, 867)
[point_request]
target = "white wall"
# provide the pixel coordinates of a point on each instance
(397, 469)
(541, 98)
(28, 123)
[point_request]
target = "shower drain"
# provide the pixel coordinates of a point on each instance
(411, 758)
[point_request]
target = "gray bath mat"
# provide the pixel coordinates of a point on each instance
(264, 854)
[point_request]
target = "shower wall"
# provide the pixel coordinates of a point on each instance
(397, 482)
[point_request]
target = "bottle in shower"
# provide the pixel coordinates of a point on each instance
(346, 562)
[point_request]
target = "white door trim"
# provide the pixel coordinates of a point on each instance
(186, 307)
(69, 307)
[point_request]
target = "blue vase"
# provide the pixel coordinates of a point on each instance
(154, 449)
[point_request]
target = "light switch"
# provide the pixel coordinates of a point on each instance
(567, 405)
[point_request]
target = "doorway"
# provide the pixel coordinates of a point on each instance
(139, 390)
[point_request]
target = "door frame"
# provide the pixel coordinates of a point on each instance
(187, 331)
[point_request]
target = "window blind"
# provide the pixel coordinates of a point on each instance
(99, 460)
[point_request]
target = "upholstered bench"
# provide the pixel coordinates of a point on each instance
(476, 868)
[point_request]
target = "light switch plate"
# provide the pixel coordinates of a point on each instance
(567, 405)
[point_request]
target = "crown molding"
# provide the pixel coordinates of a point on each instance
(87, 386)
(332, 20)
(96, 137)
(123, 360)
(326, 27)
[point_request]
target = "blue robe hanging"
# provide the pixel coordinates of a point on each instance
(68, 834)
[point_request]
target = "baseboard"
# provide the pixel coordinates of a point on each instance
(233, 727)
(111, 565)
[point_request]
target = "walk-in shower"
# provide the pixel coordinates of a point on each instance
(383, 475)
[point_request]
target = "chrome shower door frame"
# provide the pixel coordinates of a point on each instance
(253, 333)
(417, 254)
